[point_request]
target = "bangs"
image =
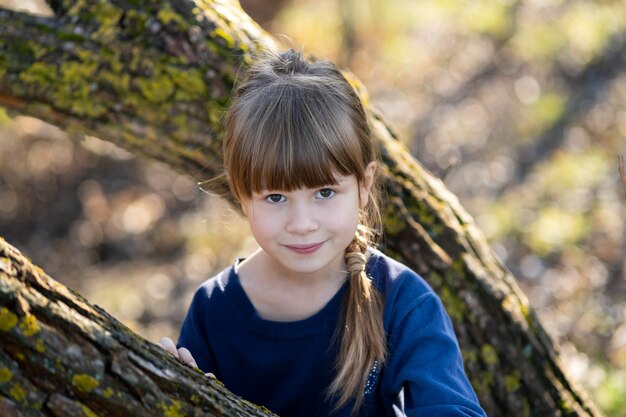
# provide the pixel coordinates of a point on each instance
(299, 139)
(291, 165)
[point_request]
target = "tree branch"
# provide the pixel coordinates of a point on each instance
(61, 356)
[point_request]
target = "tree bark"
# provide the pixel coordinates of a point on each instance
(154, 79)
(62, 357)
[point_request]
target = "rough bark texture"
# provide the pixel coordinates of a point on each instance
(62, 357)
(154, 78)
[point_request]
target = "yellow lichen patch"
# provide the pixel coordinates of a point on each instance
(423, 215)
(108, 393)
(458, 266)
(37, 50)
(221, 33)
(166, 16)
(77, 6)
(114, 59)
(525, 310)
(189, 83)
(453, 304)
(72, 90)
(214, 112)
(172, 410)
(156, 89)
(484, 382)
(136, 56)
(39, 345)
(133, 100)
(17, 393)
(87, 411)
(5, 375)
(75, 75)
(119, 82)
(489, 354)
(29, 326)
(20, 356)
(72, 82)
(244, 46)
(84, 382)
(107, 13)
(435, 279)
(39, 73)
(469, 356)
(512, 381)
(8, 319)
(182, 123)
(108, 16)
(391, 221)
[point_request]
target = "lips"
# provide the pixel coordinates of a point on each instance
(304, 249)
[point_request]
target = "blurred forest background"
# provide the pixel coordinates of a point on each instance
(520, 107)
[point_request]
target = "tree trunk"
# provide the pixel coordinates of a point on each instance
(154, 79)
(62, 357)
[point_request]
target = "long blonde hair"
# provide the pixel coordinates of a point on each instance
(295, 124)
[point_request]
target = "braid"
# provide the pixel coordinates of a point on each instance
(355, 252)
(363, 342)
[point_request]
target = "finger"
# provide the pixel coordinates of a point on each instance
(167, 344)
(186, 357)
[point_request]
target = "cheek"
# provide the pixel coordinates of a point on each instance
(262, 227)
(345, 229)
(345, 216)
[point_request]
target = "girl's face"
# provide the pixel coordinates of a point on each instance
(306, 231)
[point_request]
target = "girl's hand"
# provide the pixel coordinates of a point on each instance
(182, 354)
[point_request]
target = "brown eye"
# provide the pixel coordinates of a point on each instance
(275, 198)
(325, 193)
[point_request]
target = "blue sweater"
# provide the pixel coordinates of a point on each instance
(287, 366)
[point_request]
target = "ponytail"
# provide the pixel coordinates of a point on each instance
(363, 344)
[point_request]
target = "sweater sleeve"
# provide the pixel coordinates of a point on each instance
(425, 363)
(194, 332)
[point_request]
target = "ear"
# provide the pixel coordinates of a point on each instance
(368, 181)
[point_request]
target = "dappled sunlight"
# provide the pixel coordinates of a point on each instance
(520, 107)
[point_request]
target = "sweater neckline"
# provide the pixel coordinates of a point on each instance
(314, 324)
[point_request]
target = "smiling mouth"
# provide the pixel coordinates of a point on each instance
(304, 249)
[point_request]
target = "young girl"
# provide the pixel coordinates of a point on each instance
(316, 322)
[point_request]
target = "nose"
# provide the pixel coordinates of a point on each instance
(302, 219)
